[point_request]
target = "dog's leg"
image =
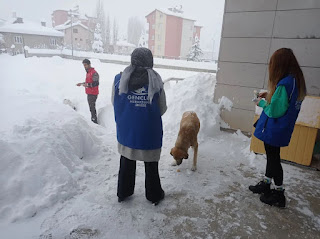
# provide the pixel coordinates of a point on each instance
(195, 155)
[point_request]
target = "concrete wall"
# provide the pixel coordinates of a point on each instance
(196, 32)
(81, 41)
(187, 37)
(173, 36)
(59, 17)
(32, 41)
(160, 33)
(151, 19)
(252, 31)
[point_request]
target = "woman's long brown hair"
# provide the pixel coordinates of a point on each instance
(283, 63)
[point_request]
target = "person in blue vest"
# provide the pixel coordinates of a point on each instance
(139, 102)
(287, 89)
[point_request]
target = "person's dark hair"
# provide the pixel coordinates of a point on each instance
(86, 61)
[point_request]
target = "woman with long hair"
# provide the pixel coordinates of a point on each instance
(286, 91)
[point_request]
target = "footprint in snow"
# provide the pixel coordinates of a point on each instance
(45, 236)
(83, 233)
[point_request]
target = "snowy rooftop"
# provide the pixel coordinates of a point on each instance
(30, 27)
(80, 15)
(176, 14)
(175, 11)
(67, 24)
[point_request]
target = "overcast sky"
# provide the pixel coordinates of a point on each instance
(208, 13)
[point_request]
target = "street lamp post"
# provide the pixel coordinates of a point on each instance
(24, 47)
(71, 14)
(213, 49)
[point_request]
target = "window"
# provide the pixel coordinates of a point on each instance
(159, 37)
(87, 41)
(75, 30)
(159, 47)
(53, 42)
(152, 37)
(80, 39)
(76, 39)
(161, 15)
(153, 26)
(152, 48)
(18, 39)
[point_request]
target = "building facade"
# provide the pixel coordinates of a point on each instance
(123, 47)
(252, 31)
(60, 17)
(20, 33)
(171, 35)
(77, 34)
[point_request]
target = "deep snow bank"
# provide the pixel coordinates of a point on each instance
(44, 143)
(194, 94)
(42, 160)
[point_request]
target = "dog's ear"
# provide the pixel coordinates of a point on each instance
(171, 152)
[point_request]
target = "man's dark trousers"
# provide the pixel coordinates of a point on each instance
(92, 106)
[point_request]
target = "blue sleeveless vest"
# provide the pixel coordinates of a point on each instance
(277, 131)
(139, 123)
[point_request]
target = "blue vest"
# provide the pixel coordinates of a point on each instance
(139, 123)
(277, 131)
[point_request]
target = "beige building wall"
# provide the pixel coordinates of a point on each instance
(252, 31)
(82, 40)
(187, 37)
(160, 34)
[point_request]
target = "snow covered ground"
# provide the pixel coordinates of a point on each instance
(124, 58)
(58, 170)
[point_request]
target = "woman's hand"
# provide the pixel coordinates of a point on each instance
(258, 101)
(263, 95)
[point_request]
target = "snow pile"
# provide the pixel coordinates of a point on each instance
(44, 143)
(124, 58)
(225, 103)
(194, 94)
(41, 160)
(310, 111)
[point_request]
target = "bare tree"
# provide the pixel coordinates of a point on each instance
(115, 31)
(107, 33)
(135, 30)
(101, 17)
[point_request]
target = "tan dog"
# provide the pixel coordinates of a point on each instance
(187, 137)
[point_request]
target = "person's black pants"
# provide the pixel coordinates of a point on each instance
(92, 106)
(127, 177)
(274, 168)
